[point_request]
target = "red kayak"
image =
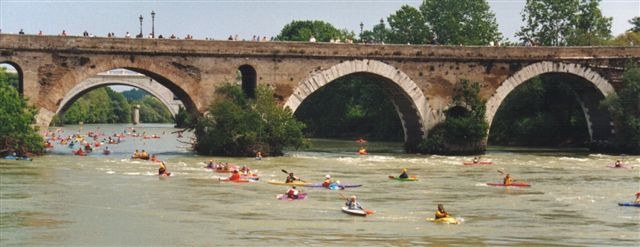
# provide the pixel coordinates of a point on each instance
(512, 184)
(621, 166)
(235, 181)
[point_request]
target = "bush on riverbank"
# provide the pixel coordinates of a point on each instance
(236, 125)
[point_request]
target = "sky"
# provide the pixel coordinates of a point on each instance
(218, 19)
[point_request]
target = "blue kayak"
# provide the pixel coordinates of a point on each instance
(334, 185)
(11, 157)
(628, 204)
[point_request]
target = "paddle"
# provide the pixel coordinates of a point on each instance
(285, 171)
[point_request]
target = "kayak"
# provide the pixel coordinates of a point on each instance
(292, 183)
(628, 204)
(11, 157)
(512, 184)
(285, 197)
(410, 178)
(357, 212)
(468, 163)
(337, 185)
(622, 166)
(448, 220)
(235, 181)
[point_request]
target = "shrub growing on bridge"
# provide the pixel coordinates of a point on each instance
(236, 125)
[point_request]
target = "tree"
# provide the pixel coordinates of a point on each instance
(17, 133)
(304, 30)
(461, 22)
(635, 21)
(570, 22)
(236, 125)
(625, 110)
(407, 25)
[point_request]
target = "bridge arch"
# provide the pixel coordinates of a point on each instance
(139, 81)
(598, 122)
(175, 80)
(249, 80)
(406, 96)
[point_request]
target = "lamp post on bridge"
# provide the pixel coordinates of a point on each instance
(361, 26)
(153, 20)
(140, 35)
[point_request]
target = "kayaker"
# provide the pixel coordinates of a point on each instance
(245, 169)
(292, 192)
(352, 203)
(404, 173)
(291, 178)
(144, 155)
(476, 160)
(327, 181)
(441, 213)
(162, 171)
(258, 155)
(507, 180)
(210, 164)
(135, 155)
(235, 176)
(638, 197)
(618, 163)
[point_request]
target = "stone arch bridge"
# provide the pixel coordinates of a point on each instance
(419, 79)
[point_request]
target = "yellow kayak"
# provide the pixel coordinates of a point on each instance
(292, 183)
(448, 220)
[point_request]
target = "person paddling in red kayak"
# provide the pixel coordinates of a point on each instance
(507, 180)
(162, 171)
(441, 213)
(235, 176)
(637, 197)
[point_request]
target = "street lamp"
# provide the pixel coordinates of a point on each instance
(153, 20)
(140, 35)
(361, 26)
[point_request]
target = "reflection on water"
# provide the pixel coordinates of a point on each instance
(110, 200)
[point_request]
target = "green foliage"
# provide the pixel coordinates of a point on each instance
(303, 30)
(625, 110)
(635, 22)
(464, 129)
(184, 119)
(10, 78)
(407, 25)
(461, 22)
(543, 111)
(626, 39)
(236, 125)
(103, 105)
(16, 131)
(352, 106)
(567, 22)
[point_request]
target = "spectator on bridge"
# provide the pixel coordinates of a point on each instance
(127, 35)
(85, 34)
(64, 33)
(40, 33)
(173, 36)
(21, 32)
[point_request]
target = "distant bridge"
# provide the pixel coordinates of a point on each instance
(122, 77)
(420, 80)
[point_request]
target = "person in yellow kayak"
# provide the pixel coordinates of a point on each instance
(404, 173)
(441, 213)
(327, 181)
(507, 180)
(293, 193)
(291, 178)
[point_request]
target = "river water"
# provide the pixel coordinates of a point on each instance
(109, 200)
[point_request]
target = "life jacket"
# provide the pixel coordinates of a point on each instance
(235, 176)
(326, 183)
(441, 214)
(292, 193)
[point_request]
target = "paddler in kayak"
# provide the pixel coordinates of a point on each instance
(507, 180)
(352, 203)
(404, 173)
(618, 163)
(327, 181)
(162, 171)
(235, 176)
(291, 178)
(293, 192)
(441, 213)
(637, 197)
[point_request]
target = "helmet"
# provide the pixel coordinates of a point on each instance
(327, 176)
(404, 169)
(353, 197)
(293, 186)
